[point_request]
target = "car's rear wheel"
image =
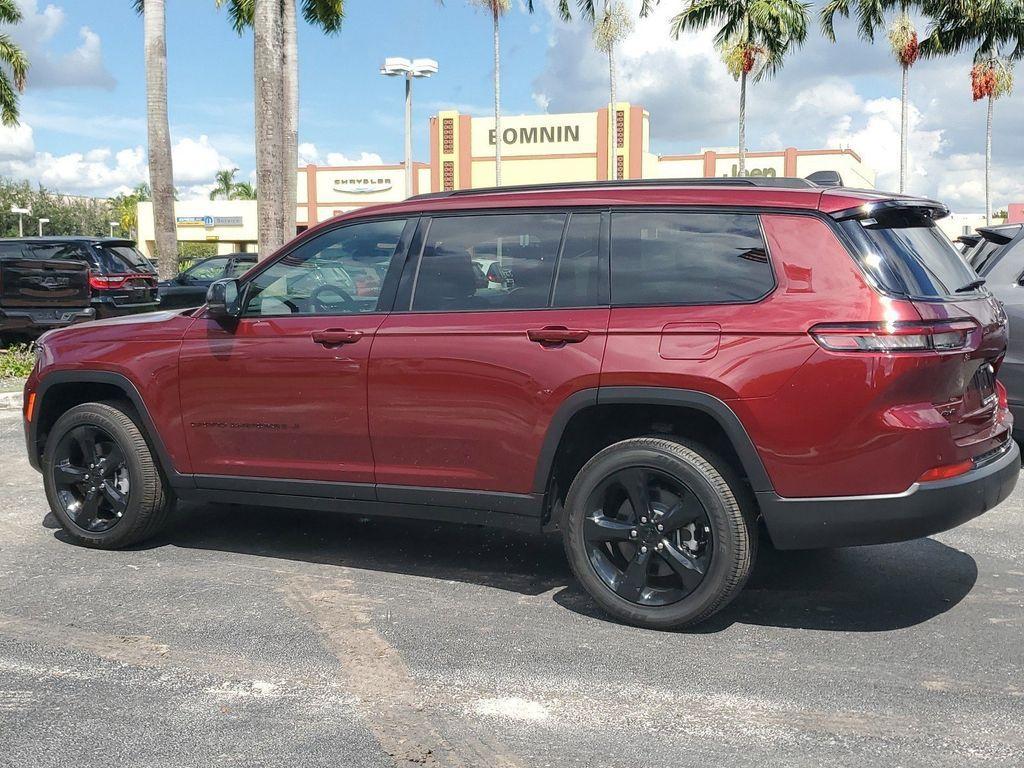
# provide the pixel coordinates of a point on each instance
(101, 480)
(655, 532)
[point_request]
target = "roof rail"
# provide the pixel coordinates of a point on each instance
(782, 182)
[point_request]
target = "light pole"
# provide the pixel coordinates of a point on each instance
(41, 222)
(112, 225)
(22, 213)
(395, 66)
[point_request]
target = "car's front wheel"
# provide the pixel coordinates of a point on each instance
(101, 480)
(656, 534)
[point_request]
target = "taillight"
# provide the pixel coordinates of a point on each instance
(1002, 397)
(494, 274)
(941, 336)
(106, 282)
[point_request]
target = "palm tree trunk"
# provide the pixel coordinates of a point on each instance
(497, 103)
(742, 150)
(904, 128)
(267, 66)
(988, 163)
(161, 168)
(290, 159)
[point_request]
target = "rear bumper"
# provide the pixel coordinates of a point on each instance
(924, 509)
(40, 318)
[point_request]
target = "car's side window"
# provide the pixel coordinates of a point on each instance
(238, 267)
(675, 257)
(488, 262)
(337, 273)
(212, 269)
(579, 278)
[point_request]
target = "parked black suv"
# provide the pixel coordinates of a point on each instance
(123, 281)
(38, 293)
(188, 289)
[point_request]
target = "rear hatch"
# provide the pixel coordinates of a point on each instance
(43, 284)
(908, 257)
(124, 274)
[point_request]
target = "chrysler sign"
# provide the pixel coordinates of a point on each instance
(365, 185)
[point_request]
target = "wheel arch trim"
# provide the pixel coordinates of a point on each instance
(717, 409)
(127, 386)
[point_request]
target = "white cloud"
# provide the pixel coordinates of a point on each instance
(17, 142)
(309, 153)
(197, 161)
(102, 171)
(827, 95)
(80, 67)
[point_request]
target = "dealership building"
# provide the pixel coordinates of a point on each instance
(579, 146)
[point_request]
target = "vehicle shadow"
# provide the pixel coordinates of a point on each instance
(863, 589)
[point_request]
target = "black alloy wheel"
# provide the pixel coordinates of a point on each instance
(648, 536)
(91, 478)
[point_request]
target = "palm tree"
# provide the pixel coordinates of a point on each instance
(225, 188)
(328, 15)
(161, 167)
(902, 37)
(243, 190)
(268, 40)
(755, 35)
(614, 25)
(995, 30)
(14, 58)
(497, 8)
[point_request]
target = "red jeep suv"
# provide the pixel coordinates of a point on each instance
(667, 364)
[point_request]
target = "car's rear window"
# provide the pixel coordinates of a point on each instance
(906, 254)
(122, 258)
(46, 251)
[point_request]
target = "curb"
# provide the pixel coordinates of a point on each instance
(10, 400)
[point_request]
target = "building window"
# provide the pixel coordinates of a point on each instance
(449, 175)
(620, 128)
(448, 136)
(620, 167)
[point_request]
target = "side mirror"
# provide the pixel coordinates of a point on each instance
(222, 299)
(183, 278)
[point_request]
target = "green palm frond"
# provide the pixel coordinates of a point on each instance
(10, 13)
(328, 15)
(773, 27)
(991, 28)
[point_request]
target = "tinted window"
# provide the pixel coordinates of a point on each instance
(122, 258)
(239, 267)
(906, 253)
(578, 282)
(68, 251)
(337, 273)
(212, 269)
(517, 250)
(688, 258)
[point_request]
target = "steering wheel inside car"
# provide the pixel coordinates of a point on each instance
(335, 296)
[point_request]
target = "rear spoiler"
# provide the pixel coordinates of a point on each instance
(931, 208)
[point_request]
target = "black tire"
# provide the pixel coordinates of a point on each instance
(731, 537)
(147, 502)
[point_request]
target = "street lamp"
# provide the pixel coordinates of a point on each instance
(22, 212)
(112, 225)
(41, 222)
(395, 66)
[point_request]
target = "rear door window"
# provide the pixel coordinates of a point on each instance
(906, 254)
(519, 250)
(118, 259)
(674, 258)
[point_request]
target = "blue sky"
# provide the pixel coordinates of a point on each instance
(83, 127)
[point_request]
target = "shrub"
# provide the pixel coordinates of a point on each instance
(16, 361)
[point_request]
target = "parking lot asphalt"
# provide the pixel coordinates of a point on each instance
(269, 637)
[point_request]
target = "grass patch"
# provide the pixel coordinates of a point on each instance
(16, 361)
